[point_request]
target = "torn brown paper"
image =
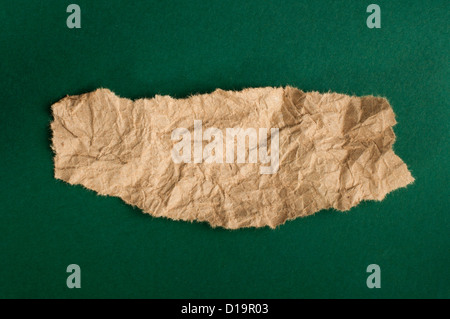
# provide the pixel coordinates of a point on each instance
(178, 158)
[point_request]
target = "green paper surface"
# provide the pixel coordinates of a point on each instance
(142, 48)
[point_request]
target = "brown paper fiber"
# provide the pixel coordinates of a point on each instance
(250, 158)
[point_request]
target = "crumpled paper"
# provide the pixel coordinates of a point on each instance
(334, 151)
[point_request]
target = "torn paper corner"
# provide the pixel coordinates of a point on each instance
(250, 158)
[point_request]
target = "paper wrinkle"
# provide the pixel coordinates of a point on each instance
(335, 150)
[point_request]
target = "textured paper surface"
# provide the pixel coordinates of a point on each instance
(334, 151)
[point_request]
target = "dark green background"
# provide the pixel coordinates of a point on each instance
(142, 48)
